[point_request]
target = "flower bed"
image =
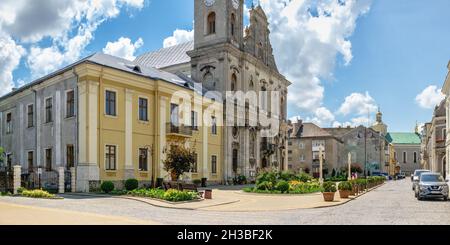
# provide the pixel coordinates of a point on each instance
(275, 182)
(170, 195)
(38, 193)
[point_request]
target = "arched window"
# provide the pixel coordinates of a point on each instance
(260, 50)
(233, 82)
(233, 24)
(208, 81)
(212, 23)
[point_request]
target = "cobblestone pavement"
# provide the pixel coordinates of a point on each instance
(392, 203)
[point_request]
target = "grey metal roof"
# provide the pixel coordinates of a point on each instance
(166, 57)
(119, 64)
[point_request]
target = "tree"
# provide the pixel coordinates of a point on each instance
(356, 168)
(179, 160)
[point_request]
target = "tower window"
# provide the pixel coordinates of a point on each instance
(212, 23)
(233, 82)
(233, 24)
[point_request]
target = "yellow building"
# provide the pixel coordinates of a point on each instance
(129, 116)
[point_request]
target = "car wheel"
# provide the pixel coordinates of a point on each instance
(419, 198)
(445, 198)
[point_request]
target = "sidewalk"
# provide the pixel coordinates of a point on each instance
(13, 214)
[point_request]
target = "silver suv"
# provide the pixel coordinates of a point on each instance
(415, 177)
(432, 185)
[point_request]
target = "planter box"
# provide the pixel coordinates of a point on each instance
(328, 196)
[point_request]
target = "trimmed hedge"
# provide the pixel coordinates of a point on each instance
(131, 184)
(107, 186)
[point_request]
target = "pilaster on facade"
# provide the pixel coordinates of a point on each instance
(162, 135)
(129, 170)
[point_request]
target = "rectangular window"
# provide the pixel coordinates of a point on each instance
(9, 161)
(30, 162)
(174, 115)
(110, 100)
(9, 123)
(48, 159)
(70, 104)
(214, 125)
(290, 143)
(143, 159)
(30, 116)
(214, 164)
(404, 157)
(194, 120)
(70, 157)
(48, 110)
(302, 145)
(194, 167)
(110, 157)
(302, 158)
(415, 157)
(289, 152)
(143, 109)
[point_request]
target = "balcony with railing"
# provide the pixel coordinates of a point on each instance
(178, 130)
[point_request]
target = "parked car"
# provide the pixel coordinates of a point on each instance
(401, 176)
(416, 177)
(432, 185)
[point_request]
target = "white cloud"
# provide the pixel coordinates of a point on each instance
(322, 117)
(357, 103)
(123, 48)
(311, 42)
(10, 55)
(178, 36)
(68, 25)
(429, 97)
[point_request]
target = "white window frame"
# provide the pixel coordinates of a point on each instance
(9, 127)
(117, 158)
(217, 160)
(148, 109)
(45, 109)
(34, 159)
(45, 158)
(405, 157)
(139, 155)
(34, 113)
(108, 89)
(65, 103)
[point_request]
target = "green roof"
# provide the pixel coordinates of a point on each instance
(403, 138)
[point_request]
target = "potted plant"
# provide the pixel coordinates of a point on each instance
(345, 189)
(329, 190)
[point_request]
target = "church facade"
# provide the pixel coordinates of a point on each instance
(226, 57)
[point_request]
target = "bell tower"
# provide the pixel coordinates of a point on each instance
(218, 21)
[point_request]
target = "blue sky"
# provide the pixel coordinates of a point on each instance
(398, 49)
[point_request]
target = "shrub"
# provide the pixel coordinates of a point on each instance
(287, 176)
(329, 187)
(20, 190)
(179, 196)
(282, 186)
(107, 186)
(304, 177)
(131, 184)
(267, 176)
(5, 193)
(37, 194)
(266, 186)
(345, 186)
(240, 180)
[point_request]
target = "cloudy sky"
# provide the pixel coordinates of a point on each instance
(345, 58)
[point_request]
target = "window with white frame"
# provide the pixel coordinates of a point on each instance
(110, 103)
(110, 157)
(143, 109)
(70, 104)
(9, 127)
(30, 115)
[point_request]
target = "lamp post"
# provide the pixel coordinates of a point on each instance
(349, 166)
(321, 164)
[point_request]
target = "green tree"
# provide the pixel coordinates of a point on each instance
(1, 156)
(179, 159)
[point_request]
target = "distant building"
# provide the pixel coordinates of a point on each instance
(446, 91)
(304, 147)
(407, 150)
(433, 141)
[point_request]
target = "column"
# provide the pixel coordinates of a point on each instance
(16, 178)
(129, 170)
(162, 135)
(87, 167)
(58, 160)
(61, 180)
(38, 130)
(21, 122)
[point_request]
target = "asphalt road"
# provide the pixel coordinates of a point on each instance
(392, 203)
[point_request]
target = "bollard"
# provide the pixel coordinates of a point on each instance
(16, 178)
